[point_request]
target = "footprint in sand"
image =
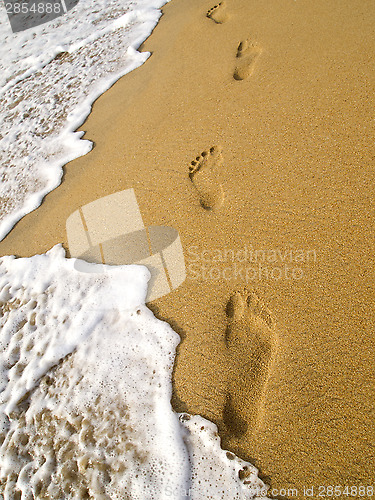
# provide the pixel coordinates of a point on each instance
(203, 173)
(247, 57)
(251, 342)
(218, 13)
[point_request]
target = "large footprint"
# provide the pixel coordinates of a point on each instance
(251, 342)
(247, 57)
(218, 13)
(203, 173)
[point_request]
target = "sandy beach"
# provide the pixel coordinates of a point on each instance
(250, 130)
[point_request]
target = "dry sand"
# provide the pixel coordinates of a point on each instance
(286, 89)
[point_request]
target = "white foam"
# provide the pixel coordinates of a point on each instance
(216, 473)
(86, 387)
(60, 308)
(44, 99)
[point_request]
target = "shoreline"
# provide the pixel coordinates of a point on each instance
(296, 170)
(70, 86)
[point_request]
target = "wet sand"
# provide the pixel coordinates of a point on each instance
(279, 97)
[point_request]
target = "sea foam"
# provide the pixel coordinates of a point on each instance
(86, 388)
(49, 77)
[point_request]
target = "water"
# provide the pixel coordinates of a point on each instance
(49, 77)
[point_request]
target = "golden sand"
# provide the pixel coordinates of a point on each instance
(283, 91)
